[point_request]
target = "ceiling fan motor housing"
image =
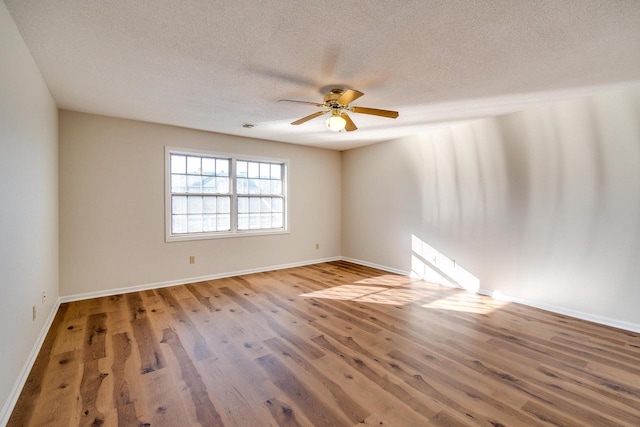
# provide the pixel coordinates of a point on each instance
(331, 99)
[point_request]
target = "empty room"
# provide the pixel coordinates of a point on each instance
(297, 213)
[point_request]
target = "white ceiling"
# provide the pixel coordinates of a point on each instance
(214, 65)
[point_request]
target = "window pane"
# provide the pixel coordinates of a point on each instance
(224, 205)
(222, 185)
(195, 204)
(277, 221)
(194, 184)
(224, 222)
(254, 204)
(243, 204)
(193, 165)
(265, 204)
(178, 183)
(265, 220)
(208, 166)
(178, 164)
(254, 221)
(276, 187)
(265, 170)
(243, 185)
(194, 224)
(222, 167)
(242, 169)
(254, 170)
(254, 186)
(208, 184)
(276, 204)
(243, 222)
(178, 224)
(179, 204)
(209, 204)
(265, 186)
(276, 172)
(208, 223)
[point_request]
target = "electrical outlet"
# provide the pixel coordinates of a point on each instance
(317, 245)
(44, 297)
(192, 259)
(33, 312)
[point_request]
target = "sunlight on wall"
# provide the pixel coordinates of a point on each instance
(499, 296)
(429, 264)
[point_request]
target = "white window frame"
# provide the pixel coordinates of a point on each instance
(169, 237)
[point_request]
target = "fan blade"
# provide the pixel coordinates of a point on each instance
(301, 102)
(350, 126)
(349, 96)
(375, 112)
(309, 117)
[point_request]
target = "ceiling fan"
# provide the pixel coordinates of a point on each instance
(337, 102)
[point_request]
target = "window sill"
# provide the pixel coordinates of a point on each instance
(225, 235)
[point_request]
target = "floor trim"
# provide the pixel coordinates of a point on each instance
(594, 318)
(12, 399)
(374, 265)
(157, 285)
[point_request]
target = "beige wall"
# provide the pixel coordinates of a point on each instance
(542, 205)
(112, 206)
(28, 204)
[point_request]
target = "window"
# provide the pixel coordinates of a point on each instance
(221, 195)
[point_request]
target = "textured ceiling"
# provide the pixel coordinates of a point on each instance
(214, 65)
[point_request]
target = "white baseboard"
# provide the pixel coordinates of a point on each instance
(157, 285)
(594, 318)
(11, 401)
(378, 266)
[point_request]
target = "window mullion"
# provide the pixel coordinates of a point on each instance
(234, 196)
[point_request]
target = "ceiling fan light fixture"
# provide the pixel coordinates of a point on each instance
(336, 123)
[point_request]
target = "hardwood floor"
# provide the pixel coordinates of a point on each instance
(332, 344)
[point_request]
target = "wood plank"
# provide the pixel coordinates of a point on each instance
(89, 388)
(200, 348)
(305, 398)
(205, 301)
(151, 357)
(58, 389)
(350, 408)
(124, 404)
(425, 408)
(282, 413)
(239, 299)
(205, 411)
(95, 336)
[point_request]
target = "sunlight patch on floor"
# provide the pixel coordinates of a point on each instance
(394, 296)
(403, 290)
(373, 294)
(345, 292)
(389, 280)
(467, 303)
